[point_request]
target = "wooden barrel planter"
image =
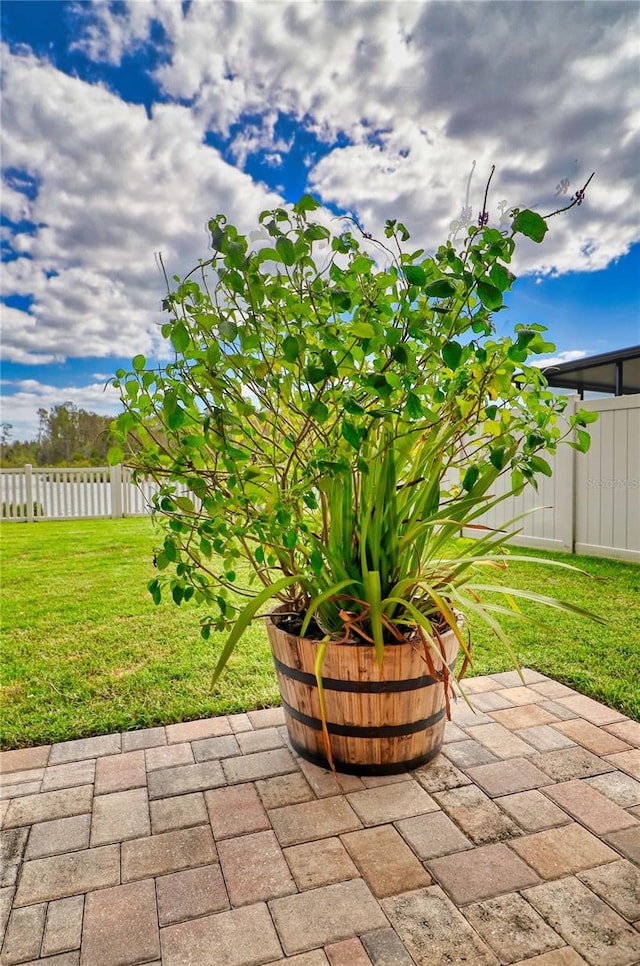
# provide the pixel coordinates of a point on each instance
(380, 720)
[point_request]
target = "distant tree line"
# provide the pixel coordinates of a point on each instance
(67, 436)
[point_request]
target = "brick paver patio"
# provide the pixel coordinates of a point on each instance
(210, 843)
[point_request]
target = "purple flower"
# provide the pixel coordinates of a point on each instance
(483, 218)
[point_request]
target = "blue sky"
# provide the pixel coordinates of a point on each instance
(127, 125)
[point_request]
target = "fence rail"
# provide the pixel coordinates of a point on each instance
(590, 505)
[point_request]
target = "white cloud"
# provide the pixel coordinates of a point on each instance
(113, 188)
(570, 355)
(417, 90)
(421, 90)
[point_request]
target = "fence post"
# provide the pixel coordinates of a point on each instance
(116, 491)
(28, 492)
(565, 487)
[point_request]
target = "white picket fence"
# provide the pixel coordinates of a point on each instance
(590, 505)
(41, 493)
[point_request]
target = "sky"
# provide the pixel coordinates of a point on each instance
(127, 125)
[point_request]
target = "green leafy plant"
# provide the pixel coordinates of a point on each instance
(337, 410)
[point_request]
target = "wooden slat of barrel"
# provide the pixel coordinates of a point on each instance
(380, 719)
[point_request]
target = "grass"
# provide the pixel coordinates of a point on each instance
(86, 652)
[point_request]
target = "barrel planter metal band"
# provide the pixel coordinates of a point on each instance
(381, 720)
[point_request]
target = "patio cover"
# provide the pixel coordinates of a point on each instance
(616, 373)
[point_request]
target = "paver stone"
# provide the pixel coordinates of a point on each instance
(478, 817)
(325, 915)
(320, 863)
(434, 931)
(118, 773)
(561, 851)
(347, 952)
(508, 777)
(532, 810)
(182, 811)
(512, 928)
(191, 894)
(241, 937)
(284, 790)
(618, 787)
(80, 748)
(235, 810)
(23, 759)
(440, 775)
(166, 782)
(167, 852)
(68, 875)
(588, 806)
(12, 846)
(262, 764)
(267, 717)
(193, 730)
(119, 816)
(121, 926)
(67, 776)
(324, 784)
(490, 701)
(628, 730)
(481, 873)
(544, 738)
(226, 746)
(618, 883)
(308, 821)
(386, 862)
(501, 742)
(588, 924)
(593, 711)
(514, 679)
(468, 753)
(627, 841)
(388, 803)
(568, 763)
(263, 740)
(6, 898)
(386, 949)
(63, 930)
(432, 835)
(591, 737)
(521, 694)
(49, 805)
(564, 956)
(523, 716)
(170, 756)
(317, 957)
(628, 761)
(24, 934)
(254, 868)
(144, 738)
(60, 835)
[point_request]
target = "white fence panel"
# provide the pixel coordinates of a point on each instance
(607, 520)
(63, 493)
(591, 504)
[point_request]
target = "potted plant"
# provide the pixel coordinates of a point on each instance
(336, 411)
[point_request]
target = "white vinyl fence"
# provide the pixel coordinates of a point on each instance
(41, 493)
(591, 504)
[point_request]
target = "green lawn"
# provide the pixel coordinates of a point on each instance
(85, 651)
